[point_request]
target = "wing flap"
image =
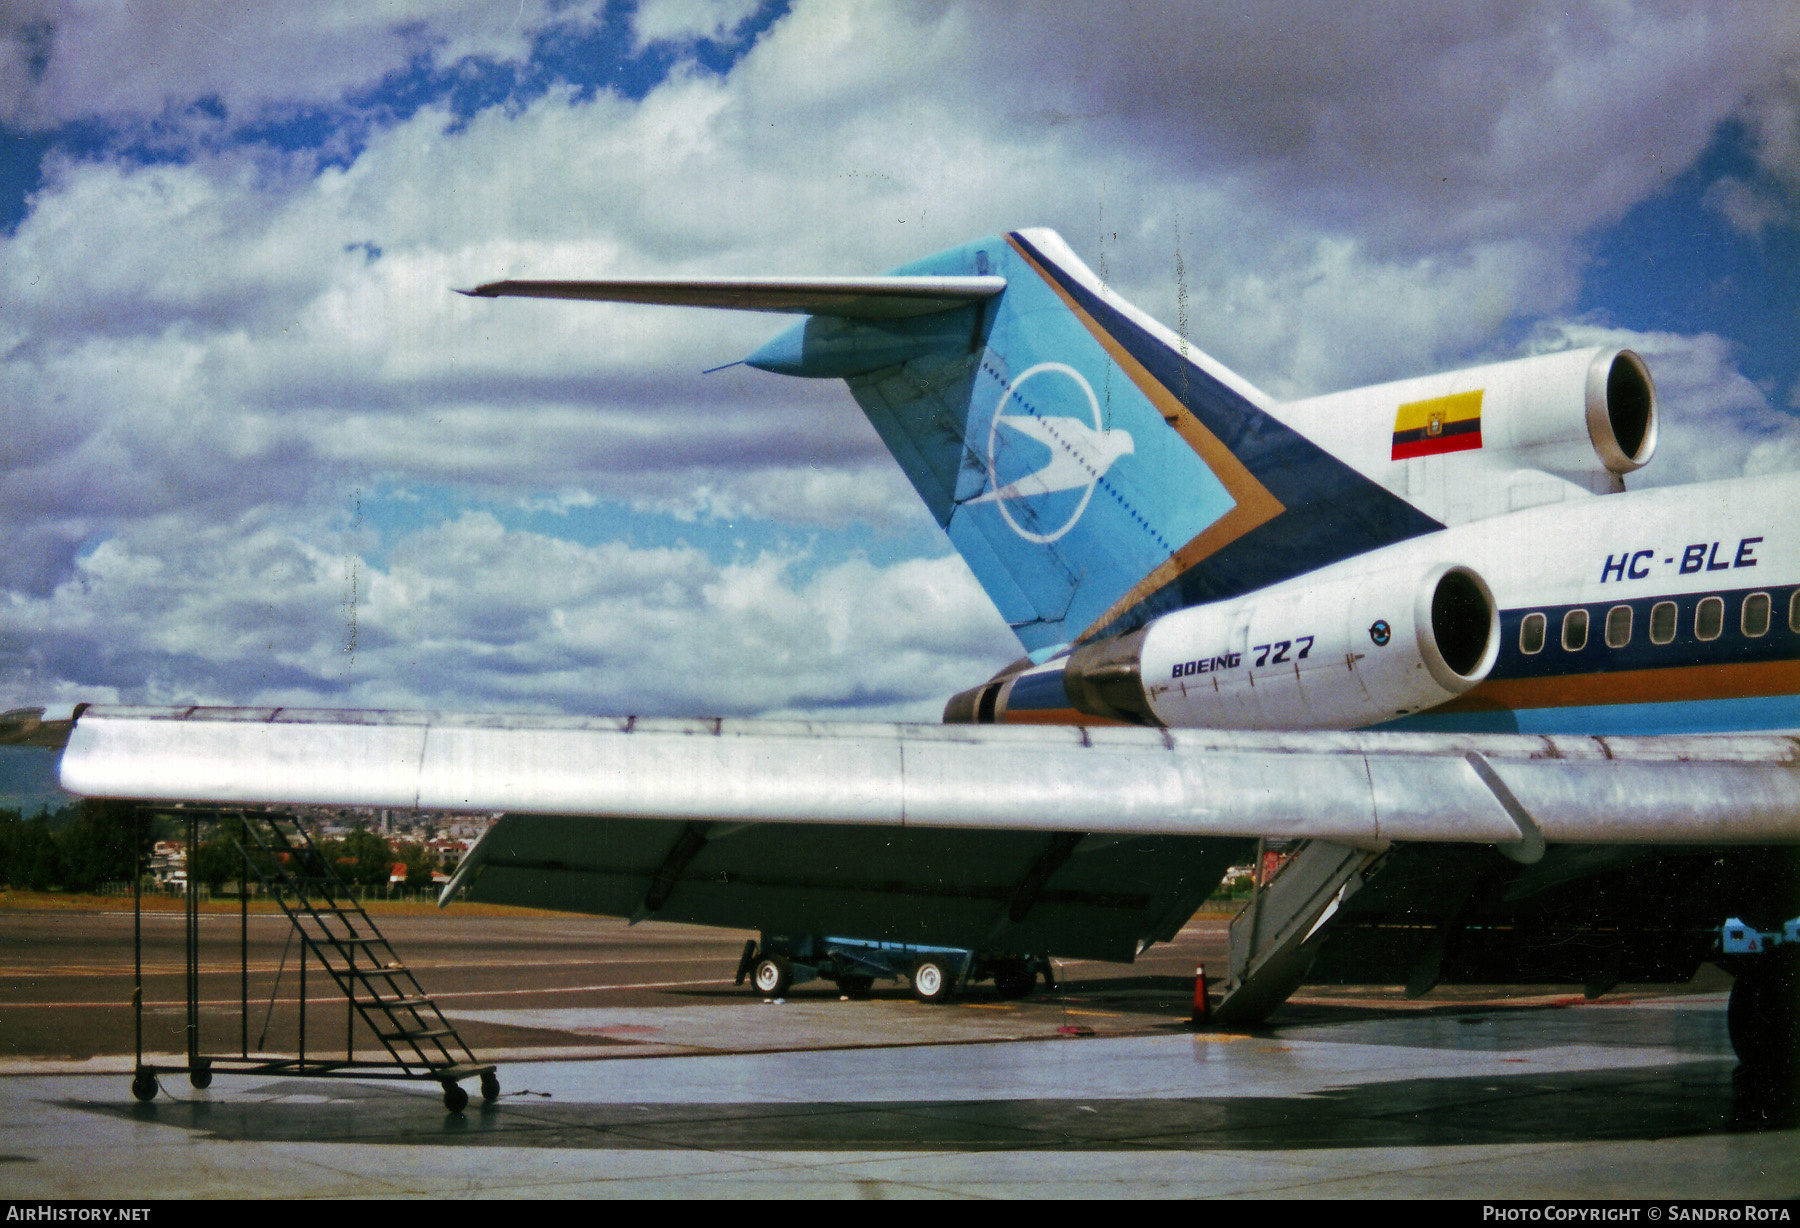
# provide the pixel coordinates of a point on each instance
(954, 888)
(855, 298)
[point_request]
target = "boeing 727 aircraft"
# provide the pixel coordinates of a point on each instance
(1526, 725)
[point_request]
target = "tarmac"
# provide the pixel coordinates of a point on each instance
(631, 1066)
(1628, 1100)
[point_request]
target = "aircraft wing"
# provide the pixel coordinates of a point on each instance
(1085, 842)
(1355, 788)
(859, 298)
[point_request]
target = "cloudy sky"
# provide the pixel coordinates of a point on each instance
(254, 451)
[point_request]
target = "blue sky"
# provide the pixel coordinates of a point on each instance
(1677, 263)
(255, 451)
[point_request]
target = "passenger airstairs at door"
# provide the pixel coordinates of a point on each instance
(1270, 951)
(335, 934)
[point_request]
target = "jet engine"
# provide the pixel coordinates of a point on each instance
(1567, 410)
(1348, 646)
(1581, 411)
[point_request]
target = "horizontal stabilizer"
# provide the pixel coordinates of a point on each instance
(855, 298)
(33, 727)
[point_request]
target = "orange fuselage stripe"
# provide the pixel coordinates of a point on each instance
(1675, 684)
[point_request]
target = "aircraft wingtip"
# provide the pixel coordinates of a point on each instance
(487, 291)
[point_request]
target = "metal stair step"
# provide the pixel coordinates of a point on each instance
(418, 1034)
(395, 1004)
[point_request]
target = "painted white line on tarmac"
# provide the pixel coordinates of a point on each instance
(458, 993)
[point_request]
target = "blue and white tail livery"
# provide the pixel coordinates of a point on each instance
(1173, 547)
(1092, 469)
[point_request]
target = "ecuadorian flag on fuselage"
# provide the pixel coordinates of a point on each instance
(1437, 426)
(1090, 471)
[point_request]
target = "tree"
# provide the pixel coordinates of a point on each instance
(419, 864)
(35, 862)
(9, 838)
(105, 844)
(215, 863)
(363, 858)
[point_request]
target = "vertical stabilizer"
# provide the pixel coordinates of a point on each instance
(1092, 469)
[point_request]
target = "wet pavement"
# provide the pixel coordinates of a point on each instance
(631, 1066)
(1627, 1100)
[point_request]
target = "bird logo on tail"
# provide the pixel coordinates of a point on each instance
(1080, 454)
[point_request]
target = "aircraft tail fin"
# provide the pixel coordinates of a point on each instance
(1092, 468)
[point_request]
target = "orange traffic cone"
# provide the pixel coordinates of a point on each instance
(1202, 1008)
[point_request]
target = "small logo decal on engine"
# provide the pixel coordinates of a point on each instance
(1381, 633)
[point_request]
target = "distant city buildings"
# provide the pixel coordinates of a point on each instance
(444, 834)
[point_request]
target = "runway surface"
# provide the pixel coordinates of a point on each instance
(631, 1066)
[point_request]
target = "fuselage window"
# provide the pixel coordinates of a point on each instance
(1794, 611)
(1662, 622)
(1618, 626)
(1531, 634)
(1709, 619)
(1575, 630)
(1756, 614)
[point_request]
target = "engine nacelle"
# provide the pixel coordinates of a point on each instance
(1348, 646)
(1581, 411)
(1564, 411)
(1323, 653)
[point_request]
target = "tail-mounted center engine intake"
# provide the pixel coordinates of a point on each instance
(1342, 648)
(1565, 411)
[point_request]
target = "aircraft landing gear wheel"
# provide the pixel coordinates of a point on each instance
(455, 1098)
(931, 981)
(143, 1086)
(490, 1087)
(1763, 1016)
(772, 977)
(1014, 979)
(855, 986)
(201, 1076)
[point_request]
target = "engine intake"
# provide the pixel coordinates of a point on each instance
(1621, 410)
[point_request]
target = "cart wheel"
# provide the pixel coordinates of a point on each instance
(855, 985)
(455, 1098)
(772, 977)
(201, 1076)
(931, 981)
(143, 1085)
(490, 1087)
